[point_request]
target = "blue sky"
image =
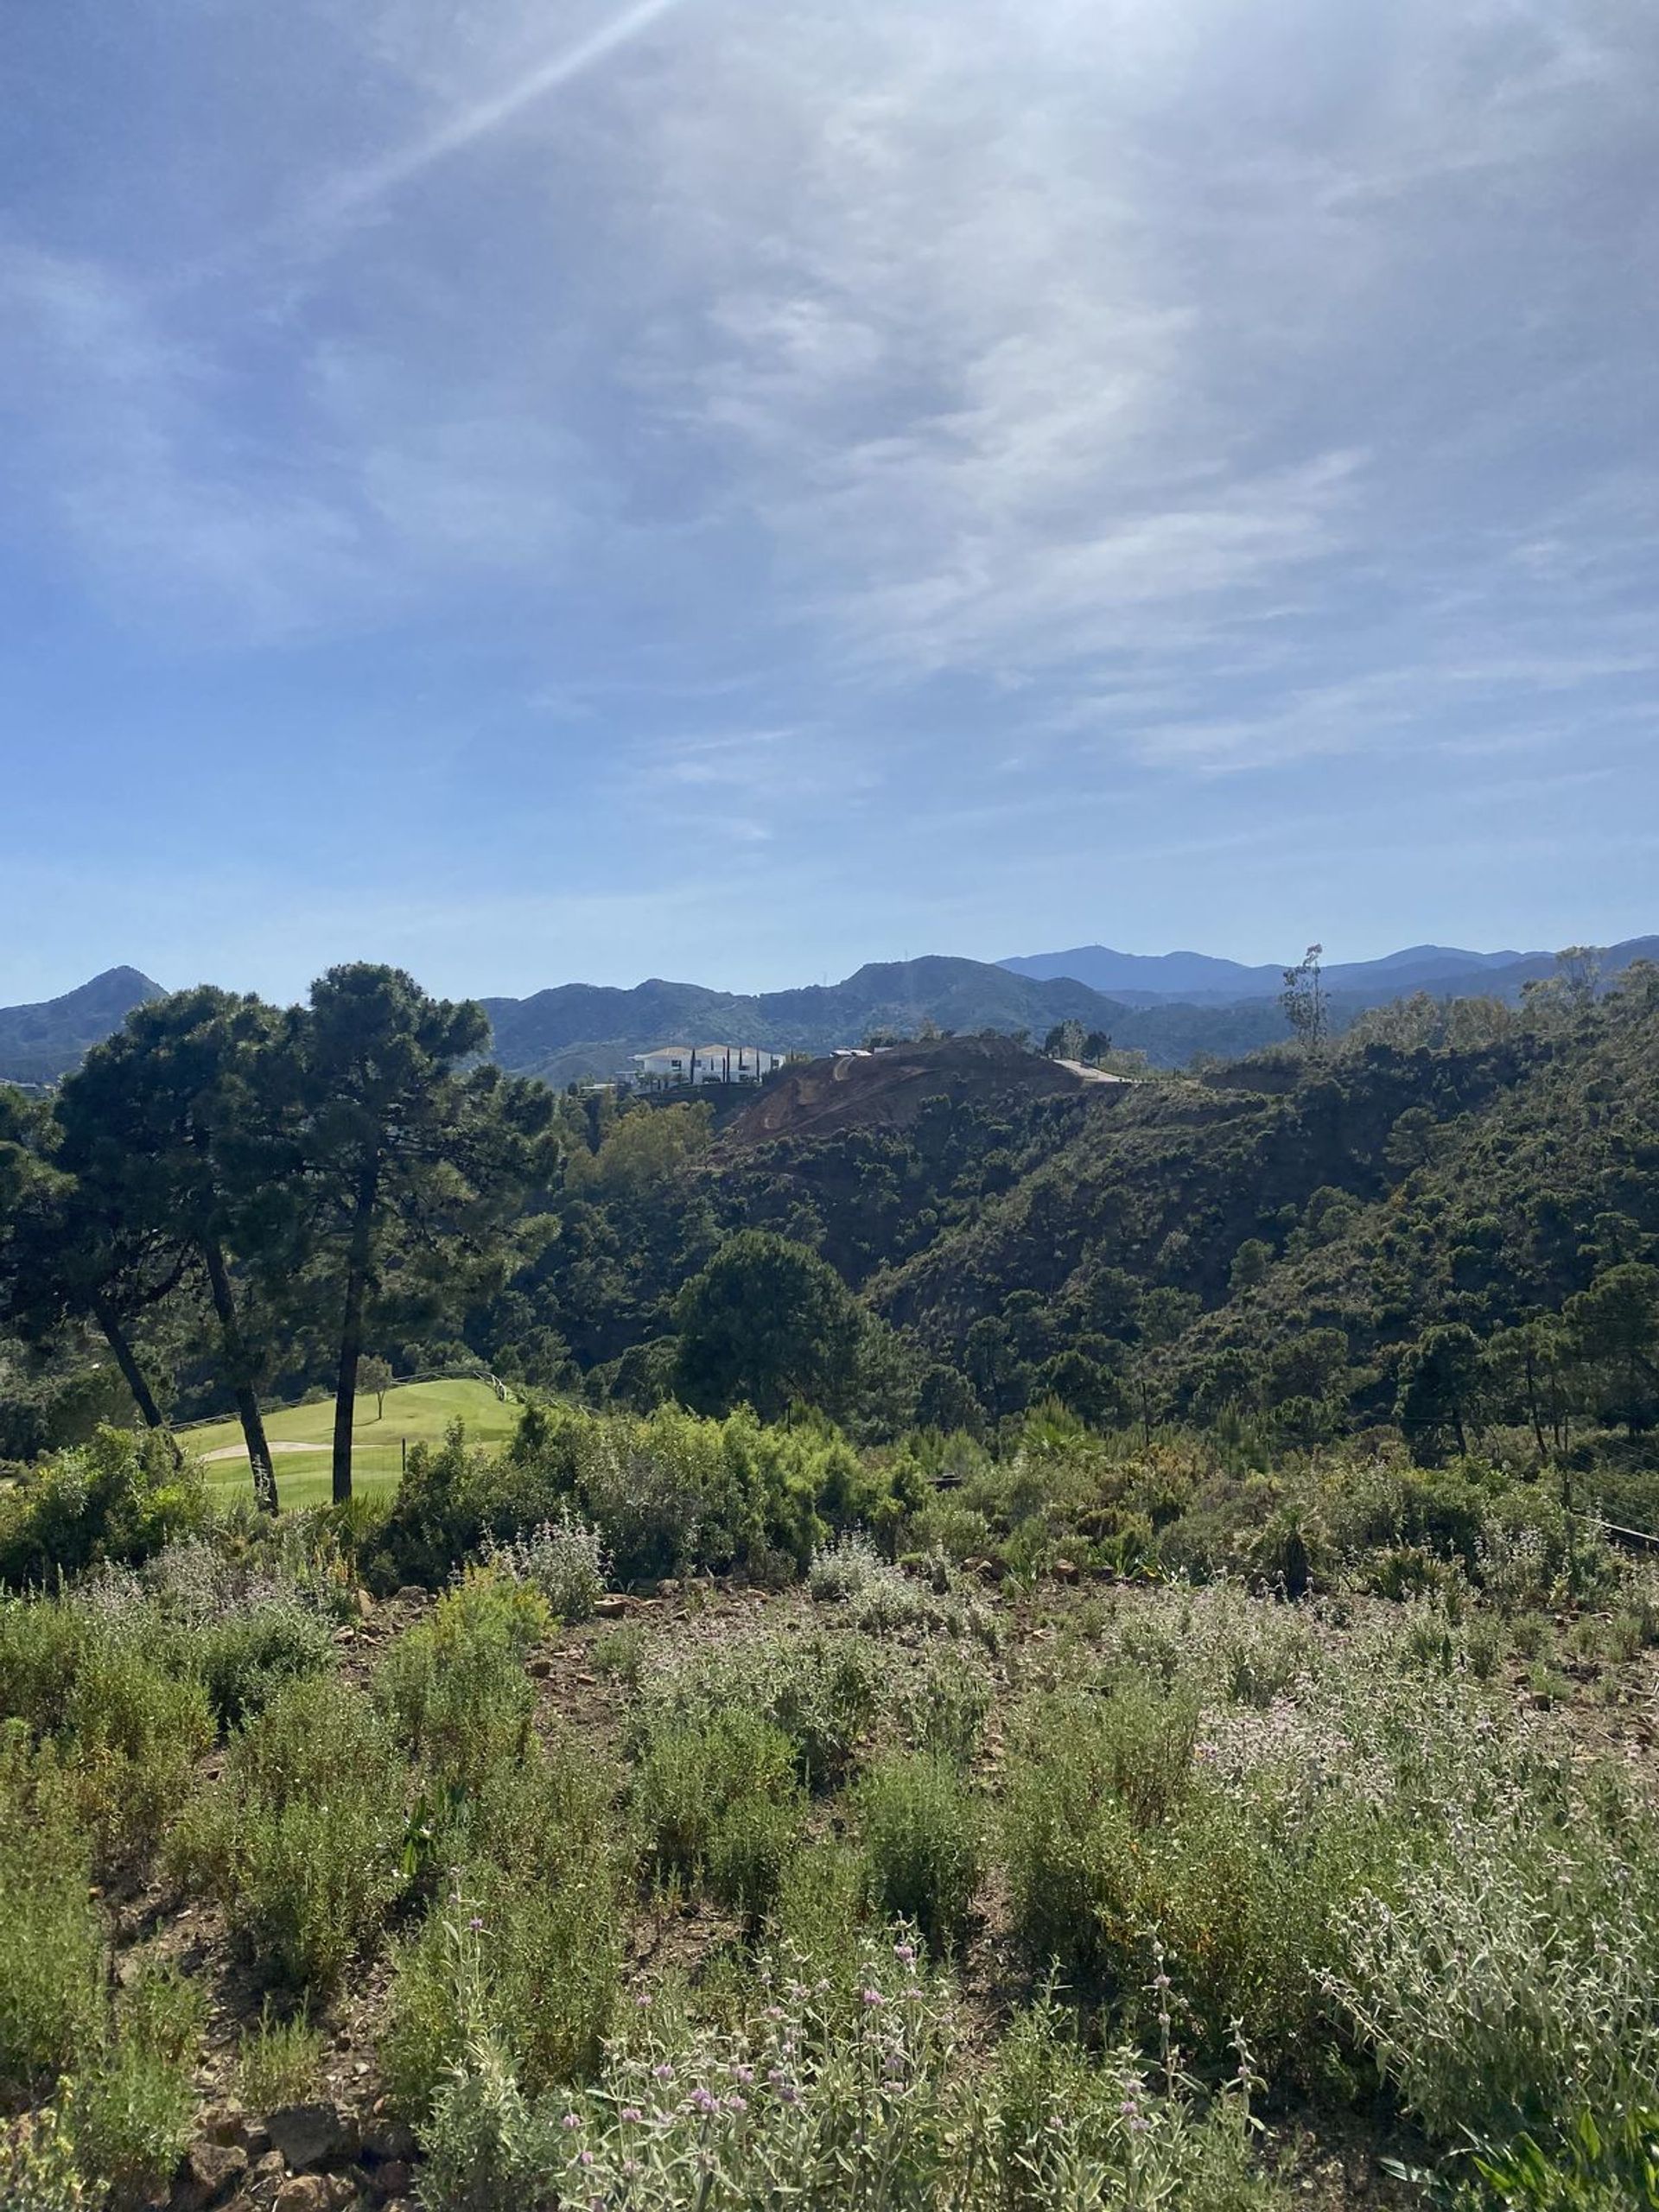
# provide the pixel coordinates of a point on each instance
(730, 489)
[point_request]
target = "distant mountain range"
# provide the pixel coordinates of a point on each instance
(1168, 1005)
(581, 1029)
(1196, 979)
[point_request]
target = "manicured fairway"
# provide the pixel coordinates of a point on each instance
(417, 1413)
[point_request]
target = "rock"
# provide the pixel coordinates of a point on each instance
(411, 1594)
(1065, 1570)
(211, 2171)
(226, 2124)
(394, 2178)
(365, 1606)
(215, 2165)
(389, 2138)
(541, 1667)
(306, 2193)
(312, 2135)
(610, 1608)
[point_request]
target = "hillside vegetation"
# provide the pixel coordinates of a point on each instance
(1034, 1642)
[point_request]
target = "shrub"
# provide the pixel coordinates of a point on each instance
(1193, 1899)
(922, 1834)
(121, 1497)
(279, 2062)
(129, 2114)
(1510, 1974)
(541, 1865)
(808, 2101)
(38, 2171)
(823, 1691)
(821, 1912)
(245, 1660)
(718, 1800)
(534, 1969)
(562, 1560)
(455, 1690)
(132, 1731)
(52, 1957)
(299, 1842)
(112, 1691)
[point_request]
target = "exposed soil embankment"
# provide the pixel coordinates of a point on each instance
(886, 1087)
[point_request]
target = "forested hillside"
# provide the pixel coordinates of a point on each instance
(1064, 1620)
(1438, 1222)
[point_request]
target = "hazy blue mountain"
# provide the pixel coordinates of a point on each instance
(1195, 979)
(38, 1044)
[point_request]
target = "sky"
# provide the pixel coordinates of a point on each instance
(551, 490)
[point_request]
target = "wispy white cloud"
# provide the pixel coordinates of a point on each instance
(806, 425)
(352, 191)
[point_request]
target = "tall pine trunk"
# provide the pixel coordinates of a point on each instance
(240, 1369)
(132, 1374)
(359, 1254)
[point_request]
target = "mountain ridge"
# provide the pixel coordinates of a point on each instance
(570, 1032)
(42, 1041)
(1201, 979)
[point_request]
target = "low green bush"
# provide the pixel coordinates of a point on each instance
(53, 1951)
(922, 1834)
(455, 1690)
(717, 1800)
(279, 2061)
(300, 1842)
(113, 1690)
(122, 1496)
(245, 1660)
(130, 2111)
(542, 1863)
(132, 1731)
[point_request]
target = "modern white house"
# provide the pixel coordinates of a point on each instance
(672, 1065)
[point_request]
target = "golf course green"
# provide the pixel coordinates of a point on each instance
(300, 1438)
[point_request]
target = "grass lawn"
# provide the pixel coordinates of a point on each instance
(417, 1413)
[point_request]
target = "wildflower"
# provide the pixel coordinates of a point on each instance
(477, 1921)
(905, 1953)
(735, 2103)
(705, 2100)
(631, 2113)
(642, 1997)
(662, 2073)
(570, 2119)
(745, 2074)
(584, 2158)
(871, 1997)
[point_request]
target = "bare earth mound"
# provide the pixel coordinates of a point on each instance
(886, 1087)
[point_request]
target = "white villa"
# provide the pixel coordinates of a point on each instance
(672, 1065)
